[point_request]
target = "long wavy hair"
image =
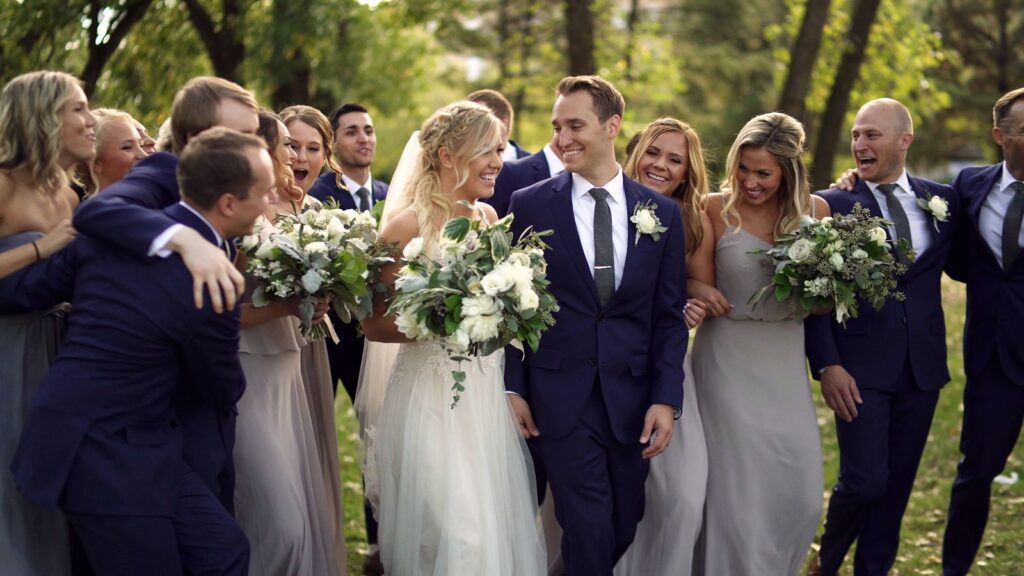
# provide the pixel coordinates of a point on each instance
(317, 121)
(783, 137)
(31, 124)
(692, 192)
(104, 117)
(283, 175)
(466, 130)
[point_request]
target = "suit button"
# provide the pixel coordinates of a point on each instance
(591, 362)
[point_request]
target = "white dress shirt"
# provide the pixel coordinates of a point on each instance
(555, 166)
(161, 249)
(509, 153)
(583, 204)
(921, 225)
(354, 187)
(993, 213)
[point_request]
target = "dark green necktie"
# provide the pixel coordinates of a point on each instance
(364, 199)
(898, 217)
(604, 249)
(1011, 226)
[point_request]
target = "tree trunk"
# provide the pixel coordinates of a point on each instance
(100, 53)
(224, 46)
(579, 28)
(802, 58)
(631, 22)
(524, 26)
(864, 14)
(290, 70)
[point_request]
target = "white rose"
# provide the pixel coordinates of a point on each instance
(496, 282)
(459, 342)
(250, 241)
(481, 328)
(837, 261)
(366, 219)
(939, 208)
(413, 249)
(519, 259)
(479, 306)
(860, 254)
(645, 221)
(406, 324)
(522, 276)
(316, 248)
(265, 250)
(878, 236)
(345, 216)
(528, 300)
(335, 229)
(826, 220)
(801, 250)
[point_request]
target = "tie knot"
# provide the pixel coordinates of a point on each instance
(1017, 187)
(363, 193)
(888, 189)
(599, 194)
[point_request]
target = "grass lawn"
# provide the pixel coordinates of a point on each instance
(1002, 551)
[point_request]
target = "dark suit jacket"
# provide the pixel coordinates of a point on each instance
(874, 347)
(326, 187)
(520, 152)
(635, 344)
(995, 297)
(102, 435)
(516, 175)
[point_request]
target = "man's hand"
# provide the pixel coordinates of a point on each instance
(210, 269)
(657, 429)
(714, 301)
(847, 181)
(522, 415)
(840, 392)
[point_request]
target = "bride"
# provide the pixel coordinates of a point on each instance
(455, 485)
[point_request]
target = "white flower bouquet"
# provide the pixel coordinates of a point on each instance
(323, 252)
(833, 262)
(478, 294)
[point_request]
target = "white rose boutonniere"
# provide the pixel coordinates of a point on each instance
(937, 207)
(646, 221)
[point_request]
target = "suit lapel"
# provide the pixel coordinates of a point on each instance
(633, 197)
(185, 216)
(565, 219)
(540, 164)
(862, 194)
(977, 191)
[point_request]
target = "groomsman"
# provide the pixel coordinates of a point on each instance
(882, 372)
(130, 215)
(502, 108)
(524, 172)
(102, 440)
(988, 260)
(355, 144)
(607, 379)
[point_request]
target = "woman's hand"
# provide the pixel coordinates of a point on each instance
(715, 302)
(57, 238)
(320, 309)
(695, 312)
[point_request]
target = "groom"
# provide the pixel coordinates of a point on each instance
(601, 391)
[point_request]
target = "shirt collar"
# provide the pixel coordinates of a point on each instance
(555, 165)
(220, 241)
(903, 182)
(615, 187)
(1007, 178)
(353, 185)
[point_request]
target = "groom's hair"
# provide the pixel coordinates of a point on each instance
(215, 163)
(608, 101)
(195, 107)
(1003, 105)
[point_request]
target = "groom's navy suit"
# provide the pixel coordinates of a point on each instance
(994, 365)
(129, 214)
(897, 356)
(599, 369)
(103, 440)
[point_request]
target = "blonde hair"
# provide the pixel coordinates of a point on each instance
(316, 120)
(195, 107)
(693, 190)
(31, 124)
(783, 137)
(104, 117)
(283, 175)
(467, 131)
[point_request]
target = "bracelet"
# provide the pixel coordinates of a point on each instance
(36, 246)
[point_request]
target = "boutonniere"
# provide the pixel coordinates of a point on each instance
(646, 221)
(937, 207)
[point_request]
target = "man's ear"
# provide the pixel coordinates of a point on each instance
(613, 125)
(225, 205)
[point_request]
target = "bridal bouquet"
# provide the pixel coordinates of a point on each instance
(478, 294)
(834, 261)
(322, 252)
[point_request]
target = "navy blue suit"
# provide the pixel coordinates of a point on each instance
(599, 369)
(102, 440)
(897, 355)
(994, 365)
(520, 152)
(129, 214)
(516, 175)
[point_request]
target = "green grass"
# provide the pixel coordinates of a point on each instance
(1002, 551)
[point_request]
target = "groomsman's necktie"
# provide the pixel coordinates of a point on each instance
(604, 249)
(898, 217)
(364, 199)
(1011, 225)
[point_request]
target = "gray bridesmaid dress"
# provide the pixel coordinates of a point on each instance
(33, 540)
(764, 494)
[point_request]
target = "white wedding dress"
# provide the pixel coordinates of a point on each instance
(453, 487)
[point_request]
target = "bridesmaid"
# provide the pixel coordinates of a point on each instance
(668, 158)
(280, 498)
(764, 455)
(119, 145)
(311, 140)
(45, 129)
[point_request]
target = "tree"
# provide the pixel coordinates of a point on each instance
(579, 30)
(119, 18)
(802, 58)
(221, 37)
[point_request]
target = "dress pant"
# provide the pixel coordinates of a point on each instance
(879, 453)
(993, 412)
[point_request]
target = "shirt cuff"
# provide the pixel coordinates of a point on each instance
(159, 245)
